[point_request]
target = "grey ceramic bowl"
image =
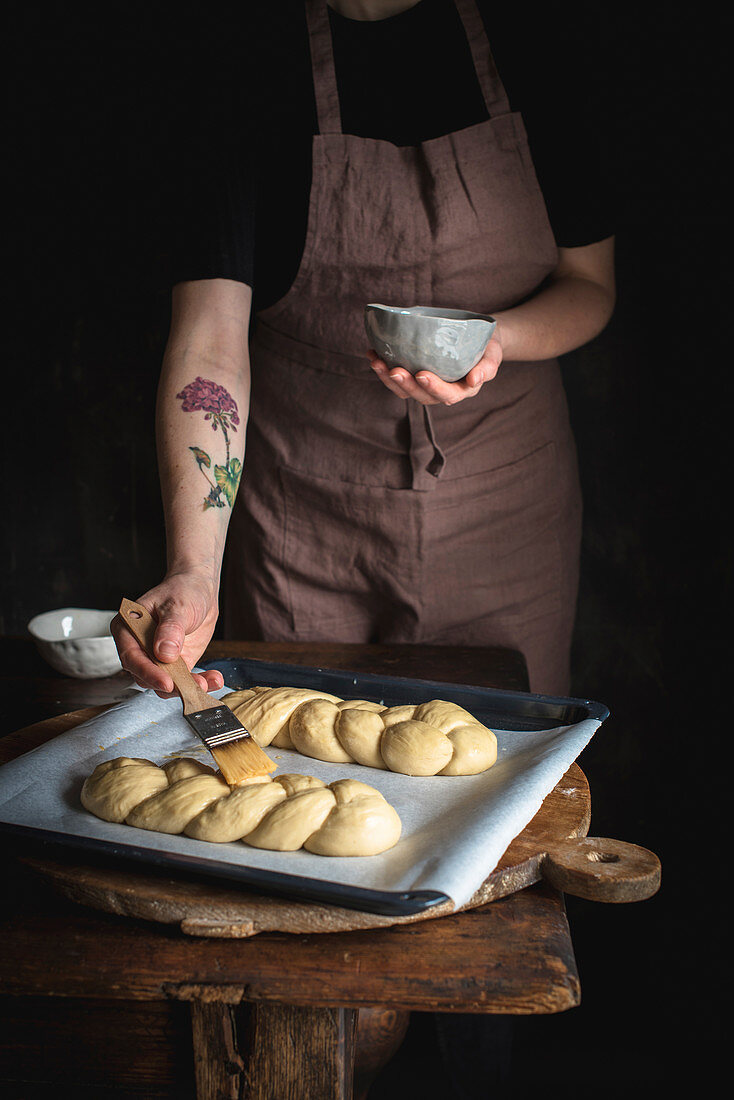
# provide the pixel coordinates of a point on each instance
(77, 641)
(448, 342)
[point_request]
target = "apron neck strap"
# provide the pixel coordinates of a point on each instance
(493, 91)
(322, 64)
(324, 73)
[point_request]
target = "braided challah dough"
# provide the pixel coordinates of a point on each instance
(284, 813)
(435, 738)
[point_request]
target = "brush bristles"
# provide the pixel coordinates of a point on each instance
(242, 759)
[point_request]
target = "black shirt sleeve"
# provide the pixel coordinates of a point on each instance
(216, 221)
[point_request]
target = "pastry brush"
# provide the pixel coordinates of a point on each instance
(235, 750)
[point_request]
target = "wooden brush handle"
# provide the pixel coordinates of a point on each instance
(142, 625)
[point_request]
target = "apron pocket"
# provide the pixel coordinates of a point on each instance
(493, 540)
(349, 555)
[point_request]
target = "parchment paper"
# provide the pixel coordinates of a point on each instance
(455, 828)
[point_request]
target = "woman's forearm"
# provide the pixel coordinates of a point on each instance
(201, 416)
(201, 419)
(573, 308)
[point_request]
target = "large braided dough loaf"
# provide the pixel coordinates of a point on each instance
(435, 738)
(345, 818)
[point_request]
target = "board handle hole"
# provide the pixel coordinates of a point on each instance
(602, 857)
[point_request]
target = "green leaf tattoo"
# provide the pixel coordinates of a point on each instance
(201, 457)
(228, 479)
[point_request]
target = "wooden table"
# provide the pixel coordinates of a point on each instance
(282, 1013)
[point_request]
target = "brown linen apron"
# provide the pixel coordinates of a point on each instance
(366, 518)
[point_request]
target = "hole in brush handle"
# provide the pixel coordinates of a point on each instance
(140, 623)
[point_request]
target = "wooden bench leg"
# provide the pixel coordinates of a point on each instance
(296, 1053)
(217, 1063)
(263, 1052)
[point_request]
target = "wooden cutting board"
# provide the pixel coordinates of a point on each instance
(554, 846)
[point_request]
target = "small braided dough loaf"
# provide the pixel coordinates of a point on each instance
(345, 818)
(435, 738)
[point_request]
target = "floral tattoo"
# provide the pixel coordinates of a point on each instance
(220, 408)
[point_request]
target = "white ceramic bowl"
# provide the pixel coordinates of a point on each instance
(77, 641)
(448, 342)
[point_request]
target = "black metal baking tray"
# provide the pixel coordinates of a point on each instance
(40, 842)
(507, 710)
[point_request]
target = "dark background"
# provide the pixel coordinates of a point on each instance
(114, 110)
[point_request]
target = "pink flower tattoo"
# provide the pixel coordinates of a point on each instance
(220, 408)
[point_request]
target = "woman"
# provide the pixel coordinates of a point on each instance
(376, 506)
